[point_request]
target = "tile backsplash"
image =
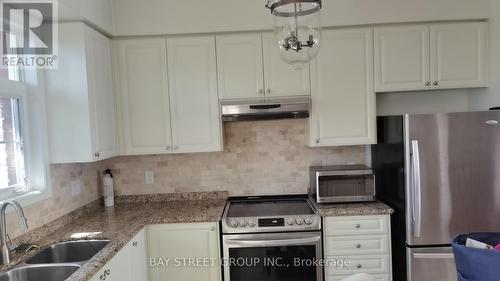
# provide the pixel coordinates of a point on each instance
(259, 158)
(62, 200)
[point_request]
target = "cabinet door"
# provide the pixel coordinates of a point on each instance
(179, 241)
(192, 72)
(239, 66)
(343, 100)
(117, 269)
(459, 55)
(137, 257)
(143, 96)
(102, 103)
(282, 79)
(402, 58)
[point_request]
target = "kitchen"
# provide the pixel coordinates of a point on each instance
(170, 97)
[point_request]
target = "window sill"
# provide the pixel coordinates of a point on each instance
(30, 198)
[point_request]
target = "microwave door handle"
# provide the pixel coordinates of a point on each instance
(273, 242)
(416, 189)
(317, 187)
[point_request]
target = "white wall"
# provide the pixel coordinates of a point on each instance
(147, 17)
(96, 13)
(422, 102)
(483, 99)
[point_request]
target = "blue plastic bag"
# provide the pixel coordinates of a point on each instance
(477, 264)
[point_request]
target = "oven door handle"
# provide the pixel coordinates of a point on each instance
(271, 242)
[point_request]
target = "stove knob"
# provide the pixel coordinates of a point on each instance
(251, 222)
(290, 221)
(233, 223)
(242, 222)
(308, 220)
(299, 221)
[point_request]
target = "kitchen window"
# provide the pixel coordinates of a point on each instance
(12, 166)
(23, 145)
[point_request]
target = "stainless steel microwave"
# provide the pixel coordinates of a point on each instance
(343, 183)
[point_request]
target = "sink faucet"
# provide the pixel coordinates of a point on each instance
(6, 249)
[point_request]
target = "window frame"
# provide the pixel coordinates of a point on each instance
(17, 90)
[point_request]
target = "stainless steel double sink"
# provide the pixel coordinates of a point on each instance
(56, 262)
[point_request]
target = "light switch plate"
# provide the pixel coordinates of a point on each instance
(149, 177)
(76, 187)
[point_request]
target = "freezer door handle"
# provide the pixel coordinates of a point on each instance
(416, 189)
(433, 255)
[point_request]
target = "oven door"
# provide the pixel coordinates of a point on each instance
(289, 256)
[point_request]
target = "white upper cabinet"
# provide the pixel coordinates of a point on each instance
(142, 92)
(459, 55)
(80, 101)
(282, 79)
(435, 56)
(343, 99)
(250, 66)
(174, 111)
(100, 83)
(402, 58)
(239, 66)
(196, 124)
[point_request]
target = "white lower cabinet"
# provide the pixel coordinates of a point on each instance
(129, 264)
(359, 244)
(182, 245)
(382, 277)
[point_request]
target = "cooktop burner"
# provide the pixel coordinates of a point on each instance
(269, 214)
(270, 208)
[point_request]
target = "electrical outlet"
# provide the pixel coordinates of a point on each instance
(76, 187)
(149, 177)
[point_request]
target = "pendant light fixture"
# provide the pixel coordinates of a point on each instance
(297, 29)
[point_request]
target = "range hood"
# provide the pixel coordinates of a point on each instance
(267, 109)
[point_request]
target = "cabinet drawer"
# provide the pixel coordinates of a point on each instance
(356, 225)
(376, 264)
(378, 277)
(356, 245)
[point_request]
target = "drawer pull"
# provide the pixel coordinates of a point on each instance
(359, 266)
(357, 225)
(358, 246)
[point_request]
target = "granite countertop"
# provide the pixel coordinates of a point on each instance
(118, 224)
(353, 209)
(131, 214)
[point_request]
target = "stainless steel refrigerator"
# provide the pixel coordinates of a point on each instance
(441, 174)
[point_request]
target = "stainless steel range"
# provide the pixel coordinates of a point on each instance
(271, 238)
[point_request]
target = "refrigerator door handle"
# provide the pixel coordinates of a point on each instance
(433, 255)
(416, 188)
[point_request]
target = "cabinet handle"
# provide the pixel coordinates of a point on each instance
(261, 92)
(357, 225)
(316, 141)
(427, 83)
(436, 83)
(359, 266)
(358, 246)
(134, 244)
(176, 147)
(167, 147)
(97, 155)
(268, 91)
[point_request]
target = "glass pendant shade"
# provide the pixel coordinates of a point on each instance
(297, 29)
